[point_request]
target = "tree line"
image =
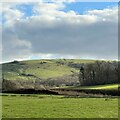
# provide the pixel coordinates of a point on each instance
(99, 73)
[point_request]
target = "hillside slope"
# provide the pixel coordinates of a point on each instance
(34, 73)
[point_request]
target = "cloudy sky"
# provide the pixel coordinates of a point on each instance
(65, 29)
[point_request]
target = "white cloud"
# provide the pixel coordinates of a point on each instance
(10, 14)
(24, 1)
(68, 1)
(106, 14)
(58, 1)
(53, 32)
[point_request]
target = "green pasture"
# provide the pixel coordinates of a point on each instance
(51, 106)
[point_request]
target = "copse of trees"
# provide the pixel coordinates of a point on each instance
(98, 73)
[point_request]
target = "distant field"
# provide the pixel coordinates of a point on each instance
(50, 106)
(111, 86)
(108, 86)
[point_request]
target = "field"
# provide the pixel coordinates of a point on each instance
(109, 86)
(56, 74)
(97, 87)
(51, 106)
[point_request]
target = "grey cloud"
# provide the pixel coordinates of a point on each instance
(98, 39)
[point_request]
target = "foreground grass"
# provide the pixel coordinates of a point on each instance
(49, 106)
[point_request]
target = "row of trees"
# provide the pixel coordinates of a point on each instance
(98, 73)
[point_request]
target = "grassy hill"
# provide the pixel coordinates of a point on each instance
(34, 73)
(58, 72)
(41, 68)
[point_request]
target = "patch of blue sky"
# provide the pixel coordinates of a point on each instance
(27, 9)
(35, 57)
(1, 20)
(82, 7)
